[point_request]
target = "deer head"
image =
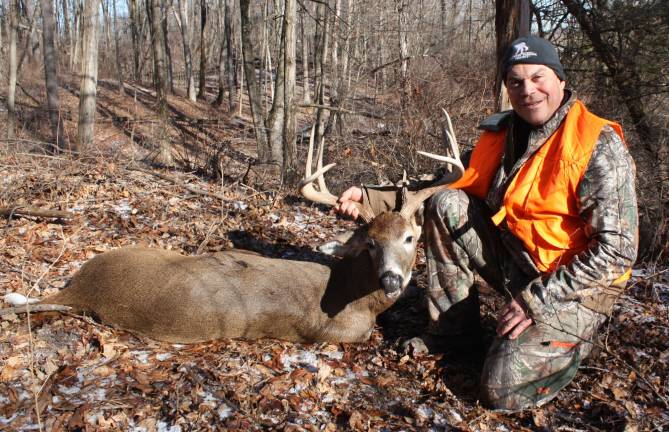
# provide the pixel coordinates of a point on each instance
(390, 238)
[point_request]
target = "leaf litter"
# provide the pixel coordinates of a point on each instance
(78, 374)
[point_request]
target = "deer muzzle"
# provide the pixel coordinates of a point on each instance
(391, 283)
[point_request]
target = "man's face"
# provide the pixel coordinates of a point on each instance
(535, 92)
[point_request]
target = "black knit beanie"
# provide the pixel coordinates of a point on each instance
(532, 50)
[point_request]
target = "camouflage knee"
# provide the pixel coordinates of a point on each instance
(532, 369)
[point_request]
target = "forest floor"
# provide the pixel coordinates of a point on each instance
(68, 372)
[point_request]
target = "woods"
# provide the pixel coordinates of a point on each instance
(217, 98)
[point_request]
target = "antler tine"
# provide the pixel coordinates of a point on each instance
(319, 164)
(410, 207)
(450, 133)
(323, 195)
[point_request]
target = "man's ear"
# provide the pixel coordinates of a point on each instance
(348, 244)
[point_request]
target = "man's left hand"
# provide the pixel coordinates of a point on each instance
(512, 320)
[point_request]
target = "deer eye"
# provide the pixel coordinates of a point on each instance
(408, 240)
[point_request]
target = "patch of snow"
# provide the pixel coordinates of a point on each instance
(164, 427)
(274, 217)
(8, 420)
(225, 412)
(123, 208)
(304, 358)
(69, 390)
(163, 356)
(334, 355)
(425, 411)
(240, 205)
(141, 356)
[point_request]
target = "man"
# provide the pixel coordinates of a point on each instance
(546, 214)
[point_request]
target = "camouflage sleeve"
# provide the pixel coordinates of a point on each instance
(608, 206)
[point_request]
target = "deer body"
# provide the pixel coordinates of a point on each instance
(239, 294)
(232, 294)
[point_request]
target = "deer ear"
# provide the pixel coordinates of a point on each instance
(348, 244)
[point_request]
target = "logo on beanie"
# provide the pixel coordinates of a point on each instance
(522, 52)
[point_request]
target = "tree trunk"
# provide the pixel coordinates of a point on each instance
(168, 51)
(203, 55)
(511, 21)
(119, 71)
(78, 34)
(230, 65)
(290, 161)
(249, 52)
(13, 66)
(89, 75)
(134, 30)
(51, 74)
(402, 29)
(163, 153)
(306, 91)
(322, 51)
(67, 25)
(183, 22)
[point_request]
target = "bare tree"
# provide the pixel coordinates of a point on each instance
(249, 52)
(50, 73)
(119, 69)
(203, 54)
(163, 152)
(306, 91)
(11, 84)
(511, 21)
(183, 23)
(290, 165)
(89, 75)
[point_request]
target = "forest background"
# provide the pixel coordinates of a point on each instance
(217, 98)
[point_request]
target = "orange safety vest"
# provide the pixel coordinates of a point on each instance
(541, 205)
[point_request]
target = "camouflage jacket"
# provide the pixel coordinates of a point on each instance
(608, 208)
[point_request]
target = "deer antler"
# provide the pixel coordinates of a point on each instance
(323, 195)
(454, 164)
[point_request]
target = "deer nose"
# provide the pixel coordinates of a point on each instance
(391, 283)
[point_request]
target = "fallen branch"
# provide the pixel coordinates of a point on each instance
(34, 211)
(178, 182)
(33, 309)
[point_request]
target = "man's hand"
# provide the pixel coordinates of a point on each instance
(512, 320)
(347, 200)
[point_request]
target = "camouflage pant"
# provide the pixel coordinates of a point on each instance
(520, 373)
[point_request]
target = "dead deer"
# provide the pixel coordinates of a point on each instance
(238, 294)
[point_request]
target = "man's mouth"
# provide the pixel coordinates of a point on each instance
(532, 105)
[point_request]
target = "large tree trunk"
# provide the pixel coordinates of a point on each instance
(67, 25)
(13, 65)
(183, 21)
(402, 36)
(163, 153)
(51, 74)
(230, 65)
(306, 92)
(134, 30)
(511, 21)
(168, 51)
(203, 54)
(249, 51)
(321, 62)
(290, 161)
(89, 75)
(119, 70)
(277, 112)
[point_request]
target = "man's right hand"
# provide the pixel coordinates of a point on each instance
(347, 202)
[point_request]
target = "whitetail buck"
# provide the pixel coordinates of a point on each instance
(239, 294)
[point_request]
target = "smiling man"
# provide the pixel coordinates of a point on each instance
(546, 214)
